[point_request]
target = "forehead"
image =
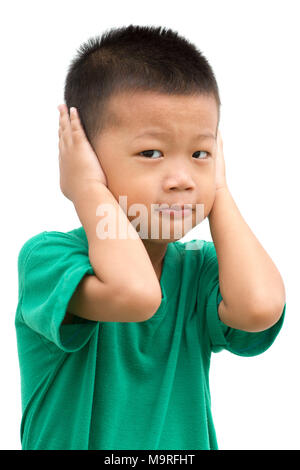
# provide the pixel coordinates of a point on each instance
(138, 111)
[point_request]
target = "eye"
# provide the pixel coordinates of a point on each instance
(147, 152)
(202, 151)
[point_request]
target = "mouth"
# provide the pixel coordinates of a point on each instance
(175, 207)
(177, 210)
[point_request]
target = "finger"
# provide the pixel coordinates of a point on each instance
(64, 121)
(61, 141)
(76, 128)
(64, 124)
(59, 124)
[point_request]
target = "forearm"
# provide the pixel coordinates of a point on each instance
(116, 261)
(249, 280)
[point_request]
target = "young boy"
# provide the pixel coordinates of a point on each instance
(115, 333)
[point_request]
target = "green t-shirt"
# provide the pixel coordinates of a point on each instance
(121, 385)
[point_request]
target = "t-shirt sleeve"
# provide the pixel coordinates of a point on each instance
(50, 267)
(221, 336)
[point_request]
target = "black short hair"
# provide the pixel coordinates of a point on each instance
(134, 58)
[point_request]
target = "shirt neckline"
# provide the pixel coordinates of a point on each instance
(170, 276)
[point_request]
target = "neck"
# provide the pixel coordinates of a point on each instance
(156, 252)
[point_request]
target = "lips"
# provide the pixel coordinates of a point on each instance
(175, 206)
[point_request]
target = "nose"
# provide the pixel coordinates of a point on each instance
(179, 179)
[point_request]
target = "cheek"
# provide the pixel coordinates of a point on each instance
(119, 182)
(208, 203)
(206, 194)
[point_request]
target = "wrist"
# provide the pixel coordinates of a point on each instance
(88, 189)
(223, 187)
(220, 195)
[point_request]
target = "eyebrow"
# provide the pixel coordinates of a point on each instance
(208, 135)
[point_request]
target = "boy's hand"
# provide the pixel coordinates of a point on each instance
(78, 163)
(220, 164)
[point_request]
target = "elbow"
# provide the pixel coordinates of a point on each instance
(268, 309)
(151, 303)
(144, 303)
(259, 317)
(265, 317)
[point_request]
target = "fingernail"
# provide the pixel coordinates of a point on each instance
(73, 110)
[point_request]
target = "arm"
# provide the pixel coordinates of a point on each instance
(94, 300)
(251, 286)
(123, 264)
(122, 267)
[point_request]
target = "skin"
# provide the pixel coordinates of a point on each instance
(181, 175)
(253, 287)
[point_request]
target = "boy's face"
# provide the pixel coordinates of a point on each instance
(176, 171)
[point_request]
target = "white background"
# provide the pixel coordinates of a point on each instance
(253, 47)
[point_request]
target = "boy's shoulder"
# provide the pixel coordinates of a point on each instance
(29, 245)
(77, 235)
